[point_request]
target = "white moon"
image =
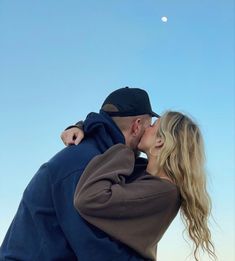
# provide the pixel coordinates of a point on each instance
(164, 19)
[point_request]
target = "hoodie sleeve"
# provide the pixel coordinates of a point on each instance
(129, 212)
(79, 125)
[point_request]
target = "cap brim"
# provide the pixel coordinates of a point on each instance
(154, 114)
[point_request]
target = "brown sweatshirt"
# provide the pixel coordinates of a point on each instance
(136, 213)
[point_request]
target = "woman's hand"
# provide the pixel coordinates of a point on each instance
(72, 136)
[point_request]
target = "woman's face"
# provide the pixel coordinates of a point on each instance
(149, 137)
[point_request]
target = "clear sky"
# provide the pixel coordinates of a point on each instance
(60, 59)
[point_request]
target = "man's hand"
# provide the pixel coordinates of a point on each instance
(72, 136)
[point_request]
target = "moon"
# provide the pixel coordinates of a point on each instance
(164, 19)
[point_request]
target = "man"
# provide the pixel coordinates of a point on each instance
(46, 225)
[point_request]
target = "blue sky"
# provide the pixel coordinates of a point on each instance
(60, 59)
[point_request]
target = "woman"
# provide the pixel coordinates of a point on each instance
(137, 211)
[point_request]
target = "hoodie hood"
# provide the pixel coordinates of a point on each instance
(103, 129)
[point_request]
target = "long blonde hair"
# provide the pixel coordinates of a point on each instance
(182, 158)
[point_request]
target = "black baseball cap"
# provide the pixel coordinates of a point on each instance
(129, 102)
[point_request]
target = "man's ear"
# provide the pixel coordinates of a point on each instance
(136, 127)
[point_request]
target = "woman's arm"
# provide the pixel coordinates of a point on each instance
(103, 190)
(136, 213)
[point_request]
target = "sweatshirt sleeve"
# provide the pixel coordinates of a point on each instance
(79, 125)
(135, 213)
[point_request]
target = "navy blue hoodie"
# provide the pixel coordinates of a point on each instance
(46, 226)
